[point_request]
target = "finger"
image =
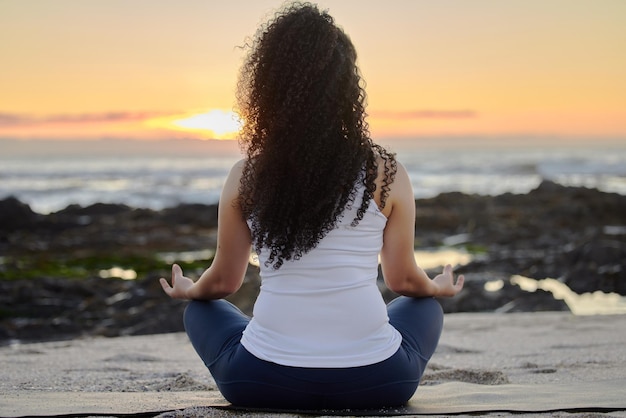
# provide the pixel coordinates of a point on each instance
(176, 273)
(459, 282)
(165, 285)
(447, 269)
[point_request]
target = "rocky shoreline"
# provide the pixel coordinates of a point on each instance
(55, 268)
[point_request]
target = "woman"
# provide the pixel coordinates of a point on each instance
(318, 201)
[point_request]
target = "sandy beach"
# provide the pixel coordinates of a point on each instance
(160, 375)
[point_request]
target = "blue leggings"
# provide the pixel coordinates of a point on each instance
(215, 328)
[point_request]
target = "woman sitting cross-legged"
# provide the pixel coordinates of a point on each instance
(319, 202)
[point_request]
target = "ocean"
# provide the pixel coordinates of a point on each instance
(50, 175)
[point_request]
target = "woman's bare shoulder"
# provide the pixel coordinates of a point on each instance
(231, 186)
(236, 171)
(239, 165)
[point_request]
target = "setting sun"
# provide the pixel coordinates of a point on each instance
(223, 124)
(215, 124)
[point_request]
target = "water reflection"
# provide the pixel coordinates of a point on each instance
(596, 303)
(254, 259)
(118, 272)
(186, 256)
(441, 257)
(494, 285)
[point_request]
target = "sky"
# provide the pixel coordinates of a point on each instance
(168, 69)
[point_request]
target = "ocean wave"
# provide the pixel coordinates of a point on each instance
(158, 181)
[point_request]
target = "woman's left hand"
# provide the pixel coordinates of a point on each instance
(445, 284)
(180, 284)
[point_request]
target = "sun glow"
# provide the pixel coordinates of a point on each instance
(214, 124)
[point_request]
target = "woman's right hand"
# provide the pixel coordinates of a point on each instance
(180, 284)
(445, 284)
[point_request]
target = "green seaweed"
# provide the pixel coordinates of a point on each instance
(85, 266)
(476, 249)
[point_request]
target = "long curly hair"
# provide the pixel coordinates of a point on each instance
(307, 143)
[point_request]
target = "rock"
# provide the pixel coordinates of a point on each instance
(599, 264)
(57, 308)
(95, 210)
(192, 214)
(15, 215)
(573, 234)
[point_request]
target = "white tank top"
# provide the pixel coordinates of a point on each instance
(325, 310)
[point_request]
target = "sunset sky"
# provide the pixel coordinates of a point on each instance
(167, 69)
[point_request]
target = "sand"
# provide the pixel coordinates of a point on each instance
(146, 372)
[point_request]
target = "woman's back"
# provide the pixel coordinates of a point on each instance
(324, 309)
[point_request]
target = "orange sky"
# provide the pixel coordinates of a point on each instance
(129, 69)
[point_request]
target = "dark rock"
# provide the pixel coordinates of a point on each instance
(53, 308)
(573, 234)
(192, 214)
(58, 308)
(97, 209)
(599, 264)
(15, 215)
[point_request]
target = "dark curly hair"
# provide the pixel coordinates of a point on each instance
(302, 103)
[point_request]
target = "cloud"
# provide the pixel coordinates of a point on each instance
(28, 120)
(18, 119)
(9, 119)
(425, 114)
